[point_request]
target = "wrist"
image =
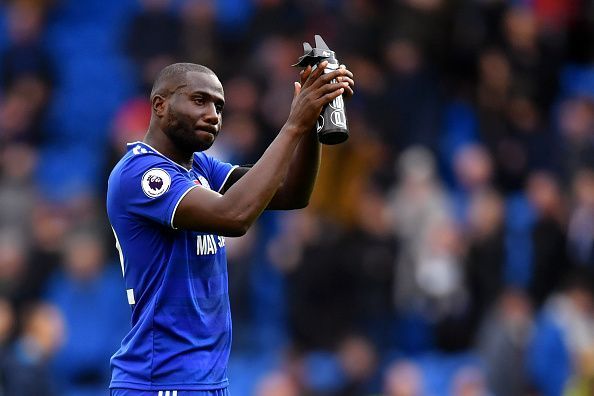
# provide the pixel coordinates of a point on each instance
(292, 130)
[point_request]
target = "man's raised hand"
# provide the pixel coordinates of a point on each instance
(313, 93)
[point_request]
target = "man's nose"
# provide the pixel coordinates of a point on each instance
(211, 116)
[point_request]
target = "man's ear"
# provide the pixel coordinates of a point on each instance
(159, 105)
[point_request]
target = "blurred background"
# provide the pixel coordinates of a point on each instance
(449, 245)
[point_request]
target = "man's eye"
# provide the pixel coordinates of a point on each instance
(199, 100)
(219, 108)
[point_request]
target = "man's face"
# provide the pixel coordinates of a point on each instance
(194, 112)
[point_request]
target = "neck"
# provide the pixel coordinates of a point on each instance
(164, 145)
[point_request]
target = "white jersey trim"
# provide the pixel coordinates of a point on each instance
(130, 295)
(119, 249)
(227, 177)
(177, 204)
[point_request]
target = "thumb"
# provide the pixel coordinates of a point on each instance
(297, 89)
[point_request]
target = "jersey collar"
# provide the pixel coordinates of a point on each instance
(142, 147)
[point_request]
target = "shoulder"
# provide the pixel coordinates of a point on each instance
(153, 171)
(137, 162)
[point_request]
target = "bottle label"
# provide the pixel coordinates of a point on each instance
(338, 118)
(337, 103)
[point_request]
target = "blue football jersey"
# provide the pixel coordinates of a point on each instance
(176, 280)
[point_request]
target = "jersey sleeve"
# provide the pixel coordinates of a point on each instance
(218, 171)
(153, 187)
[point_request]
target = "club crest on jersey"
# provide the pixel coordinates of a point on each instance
(202, 182)
(155, 182)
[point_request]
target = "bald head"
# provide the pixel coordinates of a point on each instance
(174, 76)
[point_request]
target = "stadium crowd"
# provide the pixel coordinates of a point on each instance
(449, 245)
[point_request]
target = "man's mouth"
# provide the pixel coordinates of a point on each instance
(212, 131)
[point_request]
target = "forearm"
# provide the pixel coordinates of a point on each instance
(298, 185)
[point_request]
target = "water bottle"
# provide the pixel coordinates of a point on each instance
(332, 123)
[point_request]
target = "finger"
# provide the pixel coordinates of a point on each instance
(326, 78)
(349, 81)
(315, 74)
(327, 88)
(343, 66)
(304, 74)
(349, 92)
(330, 96)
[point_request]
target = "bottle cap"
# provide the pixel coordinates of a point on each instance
(313, 56)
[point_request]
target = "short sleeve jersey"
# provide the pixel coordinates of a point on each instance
(175, 280)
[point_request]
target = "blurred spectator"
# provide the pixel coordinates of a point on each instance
(21, 111)
(534, 57)
(26, 57)
(473, 169)
(238, 143)
(129, 125)
(358, 360)
(93, 334)
(50, 224)
(242, 139)
(581, 224)
(360, 29)
(368, 106)
(240, 253)
(154, 39)
(345, 173)
(423, 21)
(564, 332)
(494, 92)
(320, 289)
(25, 370)
(276, 384)
(276, 17)
(549, 237)
(13, 266)
(369, 251)
(17, 189)
(199, 43)
(472, 27)
(428, 272)
(269, 62)
(502, 343)
(403, 378)
(485, 252)
(576, 124)
(582, 382)
(26, 74)
(412, 96)
(8, 325)
(470, 381)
